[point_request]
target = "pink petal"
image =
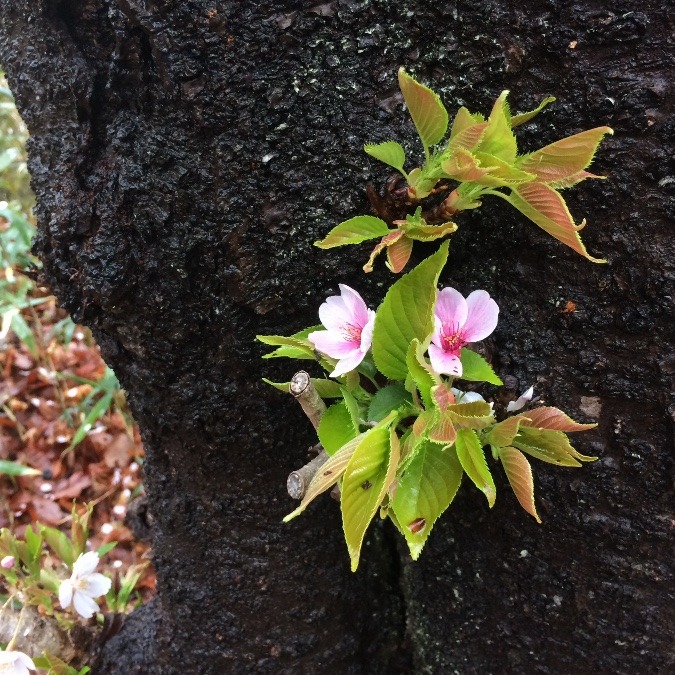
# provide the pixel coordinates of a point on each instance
(436, 337)
(348, 364)
(367, 332)
(334, 313)
(85, 564)
(451, 309)
(355, 306)
(332, 343)
(482, 316)
(444, 363)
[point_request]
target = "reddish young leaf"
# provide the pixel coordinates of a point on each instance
(554, 419)
(546, 207)
(502, 434)
(566, 157)
(463, 166)
(390, 239)
(519, 473)
(443, 431)
(467, 130)
(398, 254)
(427, 111)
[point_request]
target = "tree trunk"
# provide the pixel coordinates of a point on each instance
(186, 154)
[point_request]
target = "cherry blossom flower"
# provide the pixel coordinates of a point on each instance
(349, 333)
(7, 562)
(521, 401)
(15, 663)
(84, 585)
(459, 321)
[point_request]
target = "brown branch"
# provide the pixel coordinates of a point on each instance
(299, 480)
(307, 396)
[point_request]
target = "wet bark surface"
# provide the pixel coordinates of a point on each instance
(185, 155)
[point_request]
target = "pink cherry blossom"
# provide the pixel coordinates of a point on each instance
(349, 333)
(459, 321)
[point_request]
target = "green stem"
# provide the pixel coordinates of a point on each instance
(15, 636)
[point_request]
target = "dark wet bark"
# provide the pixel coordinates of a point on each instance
(185, 156)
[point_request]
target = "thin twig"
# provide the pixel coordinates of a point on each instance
(307, 396)
(299, 480)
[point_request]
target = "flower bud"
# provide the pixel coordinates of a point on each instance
(7, 562)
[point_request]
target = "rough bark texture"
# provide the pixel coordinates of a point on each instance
(185, 155)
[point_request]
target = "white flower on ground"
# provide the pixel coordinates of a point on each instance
(349, 332)
(15, 663)
(84, 585)
(459, 321)
(521, 401)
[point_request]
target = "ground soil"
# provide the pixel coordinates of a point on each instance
(185, 155)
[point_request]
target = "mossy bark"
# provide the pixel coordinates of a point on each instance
(185, 155)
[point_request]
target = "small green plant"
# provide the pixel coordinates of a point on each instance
(402, 432)
(481, 155)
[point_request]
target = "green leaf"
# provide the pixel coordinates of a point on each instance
(336, 428)
(24, 332)
(421, 372)
(367, 478)
(92, 417)
(476, 369)
(546, 207)
(474, 415)
(389, 152)
(406, 313)
(424, 492)
(519, 473)
(428, 113)
(294, 346)
(391, 397)
(354, 231)
(566, 157)
(517, 120)
(106, 548)
(60, 544)
(429, 232)
(501, 173)
(327, 475)
(15, 469)
(498, 139)
(472, 459)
